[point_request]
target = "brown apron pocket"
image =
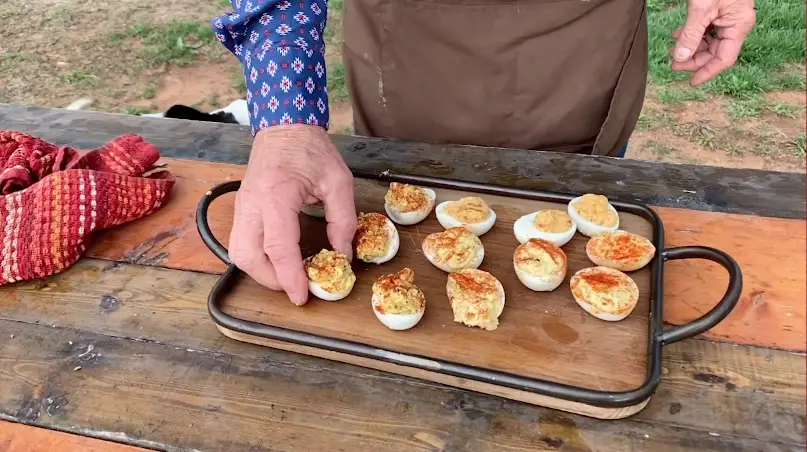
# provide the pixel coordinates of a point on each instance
(536, 74)
(448, 70)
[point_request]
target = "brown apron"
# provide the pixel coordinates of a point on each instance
(557, 75)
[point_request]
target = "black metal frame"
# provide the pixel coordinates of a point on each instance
(658, 336)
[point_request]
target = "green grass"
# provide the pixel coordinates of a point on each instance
(659, 149)
(675, 96)
(135, 110)
(238, 83)
(333, 29)
(9, 60)
(176, 43)
(337, 91)
(149, 92)
(772, 58)
(750, 107)
(785, 110)
(213, 101)
(224, 4)
(797, 146)
(732, 150)
(653, 119)
(699, 132)
(80, 78)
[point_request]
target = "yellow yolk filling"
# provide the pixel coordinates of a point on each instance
(539, 258)
(398, 294)
(605, 292)
(372, 239)
(468, 210)
(331, 270)
(594, 208)
(475, 299)
(454, 247)
(553, 221)
(406, 198)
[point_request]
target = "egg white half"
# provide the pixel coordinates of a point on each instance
(586, 227)
(316, 289)
(397, 322)
(394, 244)
(539, 283)
(414, 217)
(475, 263)
(607, 316)
(602, 315)
(447, 221)
(524, 229)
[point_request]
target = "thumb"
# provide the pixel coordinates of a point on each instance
(691, 34)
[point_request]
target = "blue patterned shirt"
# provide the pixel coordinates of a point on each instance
(281, 47)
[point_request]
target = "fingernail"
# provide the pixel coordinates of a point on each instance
(682, 53)
(299, 300)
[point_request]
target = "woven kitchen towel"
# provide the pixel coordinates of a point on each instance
(52, 198)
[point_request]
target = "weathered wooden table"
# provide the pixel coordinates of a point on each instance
(121, 348)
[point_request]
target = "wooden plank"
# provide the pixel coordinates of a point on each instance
(172, 398)
(25, 438)
(771, 312)
(745, 191)
(735, 391)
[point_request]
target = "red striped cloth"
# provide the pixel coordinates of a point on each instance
(52, 198)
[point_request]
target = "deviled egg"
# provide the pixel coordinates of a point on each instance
(476, 297)
(329, 275)
(553, 225)
(605, 293)
(397, 302)
(622, 250)
(408, 204)
(376, 240)
(315, 210)
(593, 214)
(454, 249)
(540, 265)
(471, 212)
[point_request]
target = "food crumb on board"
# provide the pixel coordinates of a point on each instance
(714, 434)
(646, 436)
(12, 336)
(77, 368)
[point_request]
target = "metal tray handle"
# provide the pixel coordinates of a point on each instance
(721, 309)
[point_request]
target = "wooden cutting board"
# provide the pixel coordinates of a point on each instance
(542, 335)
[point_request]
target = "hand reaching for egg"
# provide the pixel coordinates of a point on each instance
(289, 167)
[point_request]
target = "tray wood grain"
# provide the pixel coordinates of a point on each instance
(541, 335)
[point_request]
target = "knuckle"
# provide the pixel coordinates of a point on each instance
(278, 252)
(242, 259)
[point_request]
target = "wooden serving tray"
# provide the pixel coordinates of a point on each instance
(542, 336)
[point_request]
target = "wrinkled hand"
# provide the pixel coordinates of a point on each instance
(703, 52)
(289, 166)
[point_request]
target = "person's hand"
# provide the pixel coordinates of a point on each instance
(289, 166)
(704, 53)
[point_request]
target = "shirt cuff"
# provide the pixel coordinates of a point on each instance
(281, 48)
(286, 85)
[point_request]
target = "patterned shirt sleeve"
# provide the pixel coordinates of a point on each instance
(280, 45)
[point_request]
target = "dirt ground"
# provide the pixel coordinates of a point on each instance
(56, 51)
